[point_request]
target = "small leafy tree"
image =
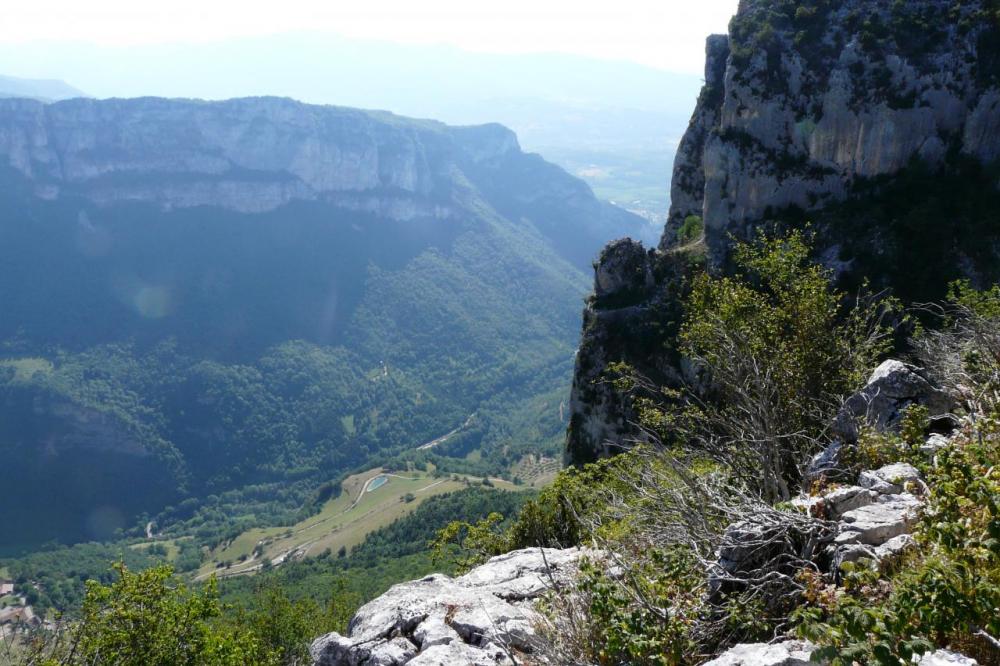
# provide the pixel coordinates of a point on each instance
(775, 347)
(284, 627)
(151, 619)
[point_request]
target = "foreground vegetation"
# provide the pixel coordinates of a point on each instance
(149, 615)
(777, 348)
(774, 348)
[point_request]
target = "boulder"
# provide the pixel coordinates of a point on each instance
(946, 658)
(798, 653)
(483, 617)
(877, 523)
(838, 502)
(892, 388)
(826, 461)
(887, 552)
(789, 653)
(851, 553)
(934, 443)
(891, 479)
(624, 267)
(895, 547)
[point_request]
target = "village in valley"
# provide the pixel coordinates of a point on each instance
(15, 613)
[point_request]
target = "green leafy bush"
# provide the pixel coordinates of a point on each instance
(691, 230)
(777, 344)
(150, 619)
(949, 593)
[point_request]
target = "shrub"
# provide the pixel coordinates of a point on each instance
(151, 619)
(691, 230)
(776, 346)
(947, 595)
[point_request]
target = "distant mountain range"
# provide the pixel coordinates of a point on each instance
(615, 124)
(211, 308)
(48, 90)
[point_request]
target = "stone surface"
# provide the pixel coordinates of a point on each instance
(248, 155)
(623, 269)
(892, 387)
(891, 479)
(479, 618)
(946, 658)
(789, 653)
(887, 552)
(816, 105)
(798, 653)
(840, 501)
(895, 547)
(877, 523)
(255, 155)
(851, 553)
(934, 443)
(826, 461)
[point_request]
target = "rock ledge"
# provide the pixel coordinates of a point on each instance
(482, 618)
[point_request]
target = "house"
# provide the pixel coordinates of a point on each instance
(17, 615)
(6, 588)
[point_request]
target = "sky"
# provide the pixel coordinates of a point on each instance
(666, 34)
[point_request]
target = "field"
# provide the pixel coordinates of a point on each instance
(25, 368)
(536, 470)
(170, 545)
(368, 501)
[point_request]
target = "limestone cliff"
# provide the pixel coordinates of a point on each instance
(255, 155)
(876, 123)
(803, 100)
(247, 155)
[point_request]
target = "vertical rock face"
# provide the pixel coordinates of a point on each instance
(247, 155)
(687, 186)
(814, 111)
(256, 155)
(633, 308)
(802, 100)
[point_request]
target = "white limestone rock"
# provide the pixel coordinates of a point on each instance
(934, 443)
(840, 501)
(892, 387)
(945, 658)
(895, 547)
(477, 618)
(877, 523)
(248, 155)
(799, 129)
(889, 480)
(789, 653)
(623, 267)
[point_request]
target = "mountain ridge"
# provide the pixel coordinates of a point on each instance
(395, 276)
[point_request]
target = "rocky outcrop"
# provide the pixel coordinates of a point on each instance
(880, 404)
(892, 387)
(810, 111)
(635, 306)
(799, 653)
(485, 617)
(803, 100)
(788, 653)
(257, 155)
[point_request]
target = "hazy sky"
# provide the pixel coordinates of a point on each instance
(667, 34)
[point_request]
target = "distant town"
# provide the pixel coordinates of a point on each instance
(15, 613)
